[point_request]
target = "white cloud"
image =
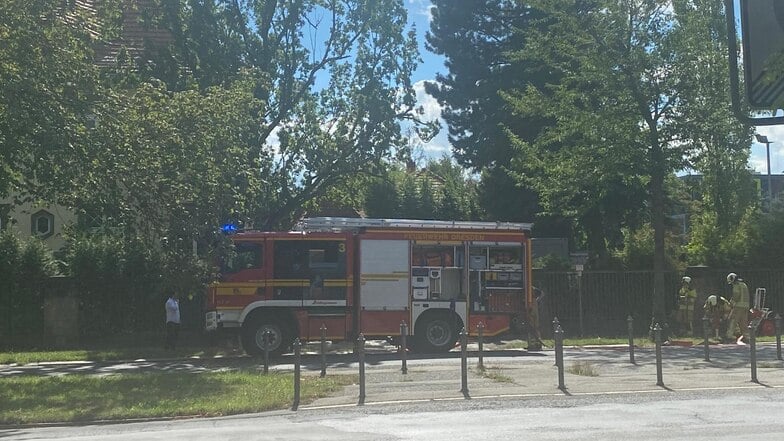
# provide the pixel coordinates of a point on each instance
(429, 104)
(439, 145)
(422, 7)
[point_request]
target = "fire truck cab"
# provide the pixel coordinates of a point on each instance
(353, 276)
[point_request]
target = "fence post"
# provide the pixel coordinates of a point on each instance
(464, 362)
(580, 300)
(323, 350)
(403, 346)
(657, 332)
(266, 337)
(630, 321)
(556, 325)
(559, 361)
(361, 354)
(481, 328)
(777, 322)
(753, 351)
(706, 331)
(297, 350)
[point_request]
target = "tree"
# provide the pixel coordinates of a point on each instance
(439, 190)
(172, 167)
(476, 38)
(338, 85)
(618, 102)
(718, 143)
(46, 86)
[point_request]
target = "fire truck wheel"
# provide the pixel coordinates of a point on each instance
(253, 336)
(435, 333)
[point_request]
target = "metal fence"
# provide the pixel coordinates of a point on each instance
(597, 303)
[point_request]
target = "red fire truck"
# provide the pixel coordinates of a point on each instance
(369, 275)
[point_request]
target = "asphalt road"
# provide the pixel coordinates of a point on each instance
(700, 415)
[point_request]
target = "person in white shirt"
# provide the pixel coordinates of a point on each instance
(172, 321)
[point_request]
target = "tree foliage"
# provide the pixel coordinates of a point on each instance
(173, 165)
(620, 106)
(476, 38)
(338, 84)
(439, 190)
(46, 86)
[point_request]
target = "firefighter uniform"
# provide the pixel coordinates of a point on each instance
(687, 296)
(716, 308)
(739, 317)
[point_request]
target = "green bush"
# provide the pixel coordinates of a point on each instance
(25, 268)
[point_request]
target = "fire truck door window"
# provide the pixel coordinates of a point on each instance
(326, 269)
(291, 259)
(309, 269)
(244, 256)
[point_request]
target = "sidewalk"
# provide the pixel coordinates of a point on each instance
(534, 374)
(507, 373)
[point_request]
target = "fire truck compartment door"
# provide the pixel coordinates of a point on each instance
(384, 280)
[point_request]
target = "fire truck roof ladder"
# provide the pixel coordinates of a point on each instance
(351, 223)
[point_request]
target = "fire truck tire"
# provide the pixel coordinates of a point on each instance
(435, 333)
(253, 335)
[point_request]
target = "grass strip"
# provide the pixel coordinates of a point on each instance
(79, 398)
(28, 357)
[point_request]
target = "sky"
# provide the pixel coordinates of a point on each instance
(419, 15)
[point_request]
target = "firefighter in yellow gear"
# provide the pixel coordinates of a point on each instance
(687, 296)
(739, 316)
(716, 309)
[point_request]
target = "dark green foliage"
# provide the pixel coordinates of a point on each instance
(437, 191)
(477, 38)
(25, 268)
(122, 284)
(46, 83)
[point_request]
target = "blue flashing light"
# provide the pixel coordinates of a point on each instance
(229, 228)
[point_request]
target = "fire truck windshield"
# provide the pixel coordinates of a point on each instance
(244, 256)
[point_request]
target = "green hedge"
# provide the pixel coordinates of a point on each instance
(25, 268)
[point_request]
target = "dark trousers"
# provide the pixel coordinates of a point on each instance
(172, 331)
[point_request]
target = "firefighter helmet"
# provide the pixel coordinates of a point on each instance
(686, 279)
(731, 277)
(712, 300)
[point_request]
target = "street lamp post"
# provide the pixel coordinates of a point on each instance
(764, 140)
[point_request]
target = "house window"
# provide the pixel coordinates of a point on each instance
(42, 224)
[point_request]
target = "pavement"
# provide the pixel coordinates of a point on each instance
(504, 372)
(587, 371)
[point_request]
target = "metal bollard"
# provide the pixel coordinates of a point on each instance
(361, 354)
(657, 332)
(777, 322)
(481, 330)
(266, 338)
(706, 332)
(464, 361)
(403, 347)
(753, 351)
(323, 350)
(559, 361)
(630, 322)
(297, 351)
(556, 325)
